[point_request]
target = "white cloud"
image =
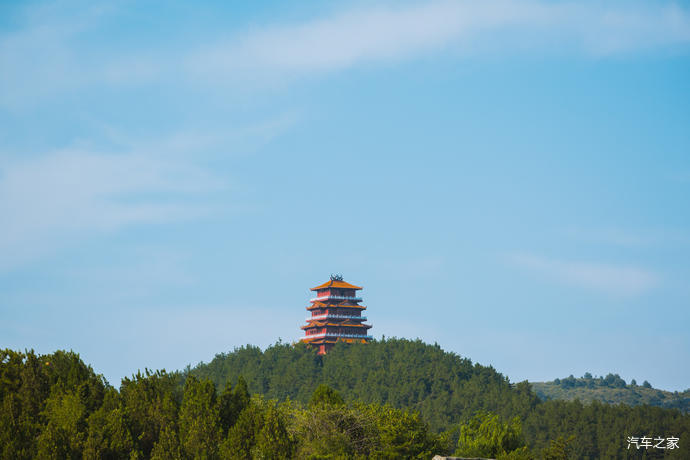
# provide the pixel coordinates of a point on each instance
(381, 34)
(70, 193)
(51, 54)
(47, 199)
(638, 238)
(46, 57)
(619, 280)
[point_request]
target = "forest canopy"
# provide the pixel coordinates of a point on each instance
(386, 399)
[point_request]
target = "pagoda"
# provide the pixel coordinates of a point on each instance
(336, 316)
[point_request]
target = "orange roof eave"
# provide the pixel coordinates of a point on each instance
(336, 284)
(313, 323)
(318, 341)
(316, 305)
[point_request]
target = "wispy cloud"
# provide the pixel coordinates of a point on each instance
(47, 199)
(71, 193)
(612, 235)
(383, 34)
(47, 55)
(51, 54)
(631, 238)
(619, 280)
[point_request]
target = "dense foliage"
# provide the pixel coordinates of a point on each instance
(611, 389)
(443, 387)
(446, 390)
(485, 435)
(55, 407)
(386, 399)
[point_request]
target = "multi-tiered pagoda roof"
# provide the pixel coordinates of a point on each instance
(336, 316)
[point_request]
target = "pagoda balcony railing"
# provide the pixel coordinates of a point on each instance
(335, 334)
(328, 316)
(335, 297)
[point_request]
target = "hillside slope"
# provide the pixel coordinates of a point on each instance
(611, 390)
(446, 389)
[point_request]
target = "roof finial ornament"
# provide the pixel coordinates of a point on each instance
(336, 277)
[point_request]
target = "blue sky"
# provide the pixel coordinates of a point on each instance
(509, 179)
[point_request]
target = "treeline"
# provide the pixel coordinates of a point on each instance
(386, 399)
(56, 407)
(587, 380)
(447, 390)
(611, 389)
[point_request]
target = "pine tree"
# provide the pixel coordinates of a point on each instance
(199, 422)
(168, 446)
(273, 441)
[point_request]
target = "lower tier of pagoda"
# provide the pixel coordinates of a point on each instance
(331, 342)
(335, 336)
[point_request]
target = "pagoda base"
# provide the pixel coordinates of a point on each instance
(323, 345)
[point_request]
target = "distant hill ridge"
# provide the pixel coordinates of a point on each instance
(611, 389)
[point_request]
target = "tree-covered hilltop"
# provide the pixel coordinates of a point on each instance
(611, 389)
(444, 387)
(386, 399)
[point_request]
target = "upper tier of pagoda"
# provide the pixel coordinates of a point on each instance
(335, 289)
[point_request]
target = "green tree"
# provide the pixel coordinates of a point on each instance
(199, 421)
(559, 449)
(231, 403)
(109, 437)
(273, 441)
(16, 430)
(486, 436)
(325, 396)
(241, 438)
(168, 446)
(150, 404)
(402, 433)
(334, 432)
(65, 432)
